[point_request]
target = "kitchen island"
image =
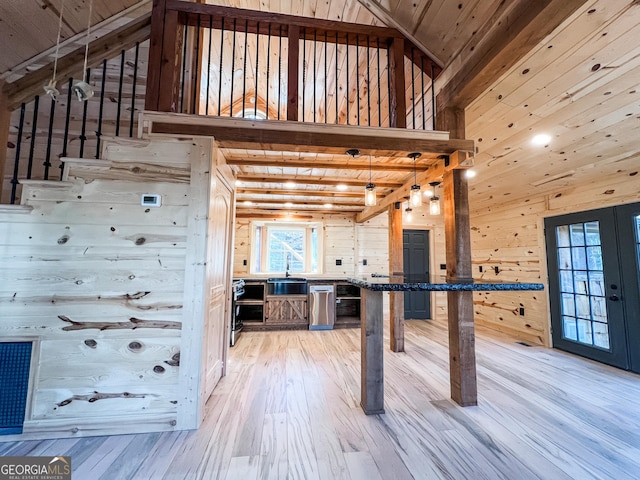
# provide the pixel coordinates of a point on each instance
(372, 363)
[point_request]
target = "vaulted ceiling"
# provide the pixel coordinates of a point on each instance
(580, 84)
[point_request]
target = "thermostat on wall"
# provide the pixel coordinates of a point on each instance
(150, 200)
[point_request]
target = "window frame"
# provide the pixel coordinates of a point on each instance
(258, 250)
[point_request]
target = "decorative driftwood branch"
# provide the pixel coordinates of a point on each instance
(101, 396)
(132, 324)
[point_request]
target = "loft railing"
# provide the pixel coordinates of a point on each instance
(222, 61)
(44, 131)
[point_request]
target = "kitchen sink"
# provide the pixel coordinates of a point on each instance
(286, 286)
(286, 279)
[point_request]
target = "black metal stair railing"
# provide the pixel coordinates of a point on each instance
(40, 137)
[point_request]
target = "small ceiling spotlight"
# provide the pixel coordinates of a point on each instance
(541, 139)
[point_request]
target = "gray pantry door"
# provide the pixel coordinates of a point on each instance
(593, 261)
(415, 243)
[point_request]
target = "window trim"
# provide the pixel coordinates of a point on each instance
(255, 254)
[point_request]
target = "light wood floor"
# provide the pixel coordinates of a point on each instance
(289, 409)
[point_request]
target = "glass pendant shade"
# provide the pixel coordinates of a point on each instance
(409, 211)
(434, 205)
(415, 196)
(370, 195)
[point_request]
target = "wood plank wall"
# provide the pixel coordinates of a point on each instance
(511, 238)
(98, 282)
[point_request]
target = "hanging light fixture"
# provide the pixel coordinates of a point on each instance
(50, 88)
(409, 211)
(82, 89)
(369, 188)
(434, 202)
(415, 199)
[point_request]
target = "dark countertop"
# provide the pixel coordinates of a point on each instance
(402, 284)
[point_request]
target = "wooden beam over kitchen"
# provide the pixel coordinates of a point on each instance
(500, 44)
(280, 179)
(303, 137)
(337, 164)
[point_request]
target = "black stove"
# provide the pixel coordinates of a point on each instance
(237, 290)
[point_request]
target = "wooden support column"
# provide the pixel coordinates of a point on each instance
(462, 356)
(152, 94)
(397, 88)
(371, 351)
(293, 73)
(396, 267)
(5, 120)
(170, 64)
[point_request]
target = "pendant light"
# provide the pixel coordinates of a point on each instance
(50, 88)
(370, 190)
(82, 89)
(409, 211)
(415, 198)
(434, 202)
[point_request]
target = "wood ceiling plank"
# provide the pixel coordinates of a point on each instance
(71, 64)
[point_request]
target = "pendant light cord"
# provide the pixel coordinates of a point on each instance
(370, 169)
(415, 175)
(86, 47)
(55, 59)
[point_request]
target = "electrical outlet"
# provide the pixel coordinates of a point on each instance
(244, 262)
(496, 269)
(521, 311)
(364, 261)
(443, 266)
(480, 268)
(338, 261)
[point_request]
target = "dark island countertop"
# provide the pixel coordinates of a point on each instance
(403, 284)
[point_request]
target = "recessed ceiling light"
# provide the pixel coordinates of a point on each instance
(471, 173)
(238, 183)
(248, 202)
(541, 139)
(290, 184)
(342, 187)
(288, 204)
(428, 193)
(328, 205)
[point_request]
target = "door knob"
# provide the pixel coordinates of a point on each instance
(614, 298)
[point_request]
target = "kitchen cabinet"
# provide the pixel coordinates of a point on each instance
(286, 309)
(348, 303)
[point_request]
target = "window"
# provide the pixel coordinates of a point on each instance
(286, 247)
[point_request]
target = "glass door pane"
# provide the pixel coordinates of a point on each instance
(583, 306)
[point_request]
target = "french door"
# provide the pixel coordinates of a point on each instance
(593, 262)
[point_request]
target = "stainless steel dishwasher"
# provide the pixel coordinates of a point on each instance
(322, 307)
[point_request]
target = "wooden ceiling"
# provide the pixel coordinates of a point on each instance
(580, 85)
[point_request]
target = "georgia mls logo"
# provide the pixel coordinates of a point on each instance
(35, 468)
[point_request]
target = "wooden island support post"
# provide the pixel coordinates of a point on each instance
(371, 336)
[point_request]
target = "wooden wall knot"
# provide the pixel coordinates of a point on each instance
(95, 396)
(132, 324)
(175, 360)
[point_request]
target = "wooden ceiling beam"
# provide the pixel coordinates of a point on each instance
(313, 181)
(289, 136)
(517, 28)
(384, 15)
(310, 193)
(309, 163)
(299, 202)
(123, 38)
